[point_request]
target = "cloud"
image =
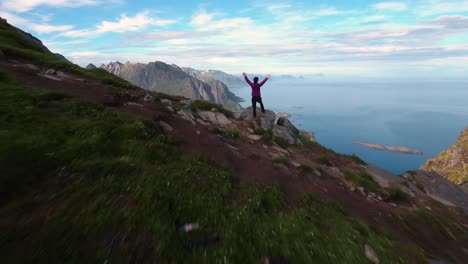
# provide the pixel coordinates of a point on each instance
(201, 18)
(27, 5)
(41, 28)
(436, 7)
(123, 24)
(391, 6)
(126, 23)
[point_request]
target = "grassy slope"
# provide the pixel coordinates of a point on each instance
(81, 184)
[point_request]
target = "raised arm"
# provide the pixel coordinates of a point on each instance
(266, 79)
(247, 79)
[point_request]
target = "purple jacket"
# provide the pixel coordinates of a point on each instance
(255, 86)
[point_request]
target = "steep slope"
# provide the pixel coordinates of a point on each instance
(230, 80)
(453, 162)
(96, 170)
(170, 79)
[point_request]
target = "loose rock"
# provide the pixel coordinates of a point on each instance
(165, 126)
(371, 254)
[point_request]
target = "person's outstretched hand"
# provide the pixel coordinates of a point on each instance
(268, 75)
(244, 73)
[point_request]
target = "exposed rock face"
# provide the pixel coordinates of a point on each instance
(282, 121)
(170, 79)
(91, 66)
(230, 80)
(453, 162)
(280, 131)
(267, 119)
(216, 118)
(442, 190)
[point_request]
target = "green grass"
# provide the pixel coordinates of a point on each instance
(397, 195)
(305, 140)
(357, 159)
(267, 136)
(440, 225)
(325, 161)
(281, 160)
(235, 134)
(206, 105)
(304, 168)
(364, 180)
(282, 142)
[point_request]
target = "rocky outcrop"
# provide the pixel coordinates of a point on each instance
(265, 120)
(283, 127)
(170, 79)
(453, 162)
(283, 132)
(439, 188)
(284, 122)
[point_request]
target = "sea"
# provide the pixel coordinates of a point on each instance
(426, 116)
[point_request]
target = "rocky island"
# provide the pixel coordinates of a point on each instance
(389, 148)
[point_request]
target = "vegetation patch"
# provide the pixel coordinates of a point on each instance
(206, 105)
(305, 140)
(357, 159)
(280, 159)
(397, 195)
(441, 225)
(325, 161)
(235, 134)
(364, 180)
(282, 142)
(304, 168)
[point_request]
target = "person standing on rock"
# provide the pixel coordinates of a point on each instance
(256, 96)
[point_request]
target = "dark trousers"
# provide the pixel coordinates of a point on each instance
(256, 99)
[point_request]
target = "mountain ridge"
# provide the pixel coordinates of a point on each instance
(171, 79)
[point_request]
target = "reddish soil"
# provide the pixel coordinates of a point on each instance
(250, 162)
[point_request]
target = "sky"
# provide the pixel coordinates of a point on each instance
(422, 39)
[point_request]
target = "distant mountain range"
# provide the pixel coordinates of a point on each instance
(231, 81)
(171, 79)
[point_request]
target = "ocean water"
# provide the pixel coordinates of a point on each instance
(423, 116)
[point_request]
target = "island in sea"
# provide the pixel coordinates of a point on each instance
(389, 148)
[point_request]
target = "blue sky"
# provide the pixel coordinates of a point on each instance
(423, 39)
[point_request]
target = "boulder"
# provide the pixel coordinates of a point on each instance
(216, 118)
(187, 115)
(279, 131)
(165, 126)
(254, 137)
(284, 122)
(166, 101)
(371, 254)
(267, 119)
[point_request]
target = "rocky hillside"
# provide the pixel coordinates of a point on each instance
(453, 162)
(95, 169)
(206, 75)
(170, 79)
